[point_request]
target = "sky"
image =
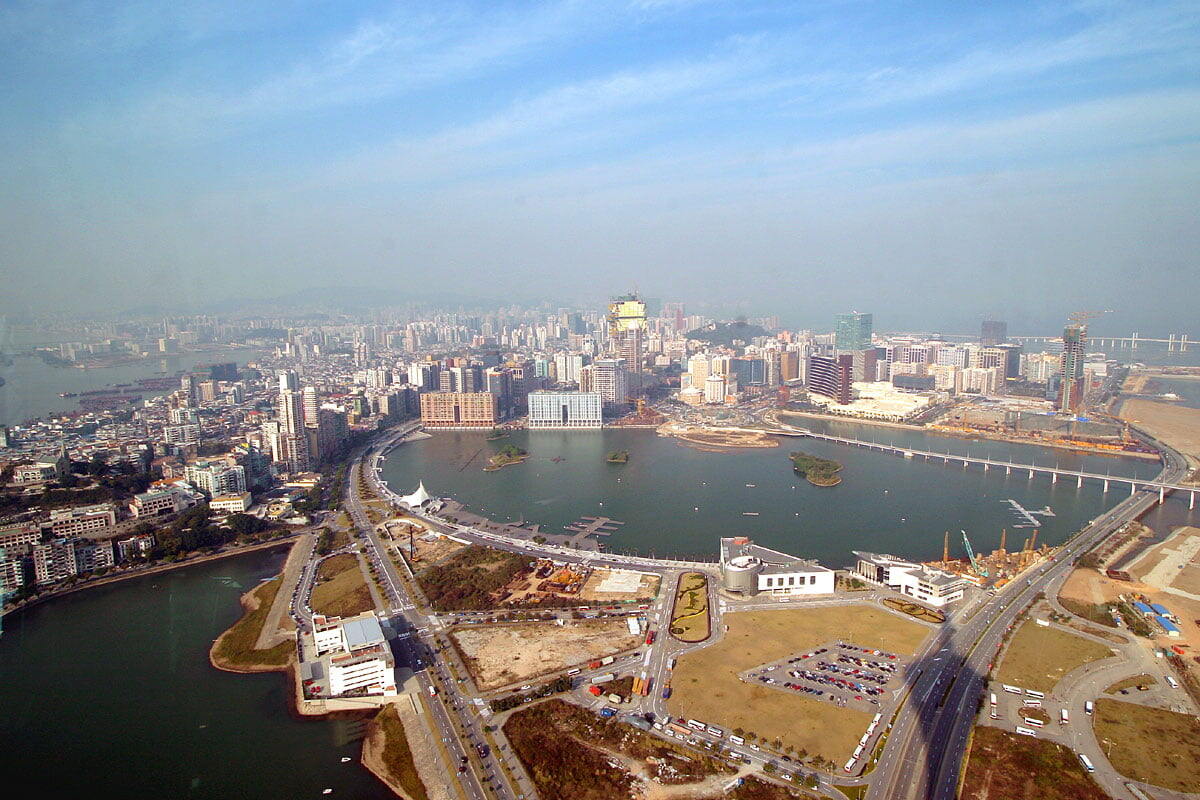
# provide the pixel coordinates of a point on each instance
(934, 163)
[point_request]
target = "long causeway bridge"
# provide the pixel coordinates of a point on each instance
(988, 464)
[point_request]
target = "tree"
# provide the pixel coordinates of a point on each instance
(245, 524)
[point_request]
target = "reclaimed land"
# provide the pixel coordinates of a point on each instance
(341, 590)
(497, 655)
(386, 754)
(233, 651)
(706, 685)
(817, 471)
(1150, 744)
(1009, 766)
(1037, 657)
(689, 614)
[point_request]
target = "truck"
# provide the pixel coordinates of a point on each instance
(1064, 717)
(649, 637)
(615, 699)
(604, 662)
(594, 664)
(666, 692)
(595, 691)
(605, 678)
(608, 712)
(432, 691)
(1089, 707)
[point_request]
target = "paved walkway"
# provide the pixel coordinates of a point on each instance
(271, 635)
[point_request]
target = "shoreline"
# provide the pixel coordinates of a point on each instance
(159, 568)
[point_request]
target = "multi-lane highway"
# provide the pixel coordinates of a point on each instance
(924, 753)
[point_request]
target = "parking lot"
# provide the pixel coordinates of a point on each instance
(842, 673)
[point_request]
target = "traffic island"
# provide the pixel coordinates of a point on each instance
(914, 610)
(690, 620)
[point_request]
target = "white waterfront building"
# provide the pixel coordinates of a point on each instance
(565, 410)
(748, 569)
(933, 586)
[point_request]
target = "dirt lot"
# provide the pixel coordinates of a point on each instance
(647, 587)
(1150, 744)
(1036, 657)
(1008, 766)
(1175, 562)
(1176, 425)
(1089, 586)
(501, 654)
(706, 686)
(427, 549)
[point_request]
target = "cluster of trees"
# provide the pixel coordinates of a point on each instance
(820, 471)
(466, 581)
(193, 530)
(556, 686)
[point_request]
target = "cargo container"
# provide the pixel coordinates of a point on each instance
(594, 664)
(595, 691)
(604, 662)
(615, 698)
(605, 678)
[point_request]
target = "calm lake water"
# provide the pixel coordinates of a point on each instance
(676, 500)
(109, 693)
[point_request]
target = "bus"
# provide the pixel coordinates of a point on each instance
(1010, 689)
(993, 698)
(1087, 762)
(1035, 723)
(1064, 717)
(1026, 731)
(1032, 693)
(696, 725)
(1173, 683)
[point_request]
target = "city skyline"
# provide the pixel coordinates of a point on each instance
(728, 154)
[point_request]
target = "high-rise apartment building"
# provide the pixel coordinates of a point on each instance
(459, 409)
(993, 332)
(609, 380)
(853, 331)
(1071, 367)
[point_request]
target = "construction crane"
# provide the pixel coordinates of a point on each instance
(975, 565)
(1083, 316)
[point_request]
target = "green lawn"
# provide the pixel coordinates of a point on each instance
(235, 648)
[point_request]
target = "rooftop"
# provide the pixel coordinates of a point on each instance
(773, 560)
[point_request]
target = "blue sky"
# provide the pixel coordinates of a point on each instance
(932, 162)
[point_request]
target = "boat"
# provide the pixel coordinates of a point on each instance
(68, 394)
(749, 513)
(327, 791)
(751, 485)
(345, 759)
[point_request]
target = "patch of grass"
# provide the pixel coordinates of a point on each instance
(341, 590)
(915, 610)
(235, 648)
(853, 792)
(706, 686)
(1101, 615)
(689, 614)
(1150, 744)
(1130, 683)
(1015, 767)
(1037, 657)
(397, 757)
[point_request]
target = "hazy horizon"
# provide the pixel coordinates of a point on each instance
(934, 165)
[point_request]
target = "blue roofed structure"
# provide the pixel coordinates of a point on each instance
(1142, 607)
(1167, 625)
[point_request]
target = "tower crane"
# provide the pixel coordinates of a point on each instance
(975, 564)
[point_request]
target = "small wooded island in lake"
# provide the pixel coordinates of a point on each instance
(818, 471)
(618, 457)
(508, 454)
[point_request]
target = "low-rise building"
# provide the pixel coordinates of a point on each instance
(918, 581)
(163, 502)
(230, 503)
(83, 520)
(748, 569)
(355, 655)
(135, 546)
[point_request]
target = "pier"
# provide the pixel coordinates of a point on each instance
(591, 526)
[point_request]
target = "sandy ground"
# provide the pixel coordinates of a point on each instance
(503, 654)
(1089, 586)
(1176, 425)
(647, 587)
(710, 437)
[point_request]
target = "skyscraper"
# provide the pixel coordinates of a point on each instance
(853, 332)
(993, 332)
(627, 332)
(608, 376)
(1071, 367)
